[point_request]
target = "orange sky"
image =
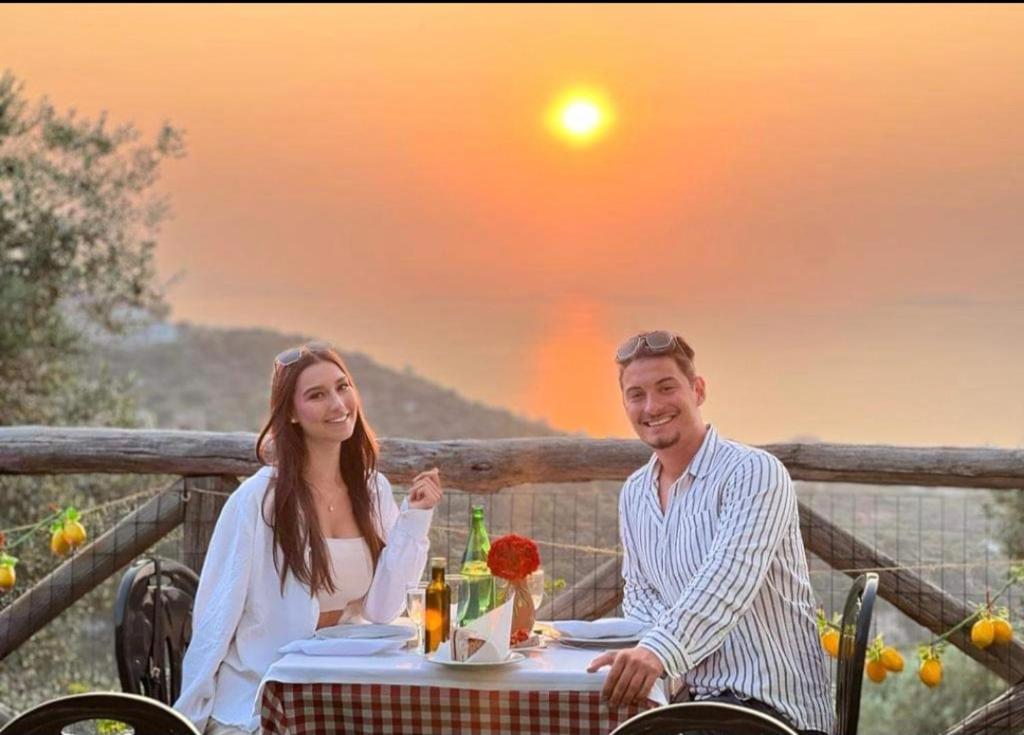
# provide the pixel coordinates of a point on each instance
(826, 200)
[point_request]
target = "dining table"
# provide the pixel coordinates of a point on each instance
(547, 691)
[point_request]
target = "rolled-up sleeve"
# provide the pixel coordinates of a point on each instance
(758, 508)
(218, 607)
(404, 557)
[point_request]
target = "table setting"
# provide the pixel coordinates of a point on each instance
(481, 675)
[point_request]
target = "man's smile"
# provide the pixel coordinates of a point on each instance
(661, 421)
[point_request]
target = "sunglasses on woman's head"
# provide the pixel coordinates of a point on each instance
(291, 356)
(653, 343)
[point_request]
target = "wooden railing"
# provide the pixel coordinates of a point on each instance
(488, 465)
(213, 461)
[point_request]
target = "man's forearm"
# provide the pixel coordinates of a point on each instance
(642, 604)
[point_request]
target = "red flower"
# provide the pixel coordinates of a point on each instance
(513, 557)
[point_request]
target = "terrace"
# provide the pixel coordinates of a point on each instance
(925, 519)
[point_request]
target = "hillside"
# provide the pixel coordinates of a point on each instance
(193, 377)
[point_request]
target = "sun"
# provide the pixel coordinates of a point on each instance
(580, 116)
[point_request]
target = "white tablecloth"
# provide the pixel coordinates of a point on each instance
(554, 668)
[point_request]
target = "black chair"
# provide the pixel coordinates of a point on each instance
(153, 627)
(855, 627)
(145, 716)
(722, 718)
(703, 718)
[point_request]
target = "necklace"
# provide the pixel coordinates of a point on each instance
(330, 505)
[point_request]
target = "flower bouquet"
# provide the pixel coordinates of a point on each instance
(514, 558)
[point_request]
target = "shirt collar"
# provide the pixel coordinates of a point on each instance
(699, 466)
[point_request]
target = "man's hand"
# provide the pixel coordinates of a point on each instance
(634, 671)
(425, 491)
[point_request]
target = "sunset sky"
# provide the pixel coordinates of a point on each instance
(827, 201)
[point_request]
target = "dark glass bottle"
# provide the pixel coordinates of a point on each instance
(437, 608)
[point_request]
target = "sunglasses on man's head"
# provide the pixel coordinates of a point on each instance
(291, 356)
(653, 343)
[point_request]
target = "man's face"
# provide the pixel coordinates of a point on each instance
(660, 402)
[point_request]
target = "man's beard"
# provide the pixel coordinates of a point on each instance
(665, 442)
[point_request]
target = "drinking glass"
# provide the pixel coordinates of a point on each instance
(535, 582)
(458, 605)
(415, 601)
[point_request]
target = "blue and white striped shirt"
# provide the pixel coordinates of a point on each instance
(721, 578)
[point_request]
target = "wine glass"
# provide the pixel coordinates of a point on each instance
(415, 602)
(454, 582)
(535, 582)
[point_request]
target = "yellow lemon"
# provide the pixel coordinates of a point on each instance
(74, 534)
(7, 578)
(931, 672)
(58, 544)
(1002, 631)
(891, 659)
(982, 633)
(875, 671)
(830, 642)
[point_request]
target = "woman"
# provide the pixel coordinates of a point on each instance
(314, 538)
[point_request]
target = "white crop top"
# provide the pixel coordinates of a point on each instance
(351, 572)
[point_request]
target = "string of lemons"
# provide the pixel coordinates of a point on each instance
(989, 625)
(66, 534)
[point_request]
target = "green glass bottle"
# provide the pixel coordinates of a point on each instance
(478, 584)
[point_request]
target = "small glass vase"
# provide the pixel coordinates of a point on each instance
(523, 612)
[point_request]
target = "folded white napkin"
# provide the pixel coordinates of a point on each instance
(367, 630)
(597, 629)
(342, 646)
(494, 628)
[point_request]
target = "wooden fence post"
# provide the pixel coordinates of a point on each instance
(204, 498)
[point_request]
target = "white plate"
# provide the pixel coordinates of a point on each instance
(513, 658)
(597, 642)
(396, 632)
(539, 647)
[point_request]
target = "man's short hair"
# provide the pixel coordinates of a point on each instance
(658, 343)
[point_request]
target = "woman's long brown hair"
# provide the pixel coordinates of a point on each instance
(293, 519)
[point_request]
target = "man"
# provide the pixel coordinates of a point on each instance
(713, 560)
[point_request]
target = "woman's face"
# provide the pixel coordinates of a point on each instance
(325, 403)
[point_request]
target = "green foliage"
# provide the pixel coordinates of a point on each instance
(554, 585)
(110, 727)
(1006, 509)
(77, 229)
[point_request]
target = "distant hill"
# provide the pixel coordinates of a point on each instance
(218, 379)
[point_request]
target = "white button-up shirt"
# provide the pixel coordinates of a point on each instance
(721, 577)
(241, 617)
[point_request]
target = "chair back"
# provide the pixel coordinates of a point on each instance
(854, 629)
(703, 718)
(153, 627)
(145, 716)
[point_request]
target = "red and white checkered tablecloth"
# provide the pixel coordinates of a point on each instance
(390, 709)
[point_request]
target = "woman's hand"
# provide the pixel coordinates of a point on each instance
(425, 491)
